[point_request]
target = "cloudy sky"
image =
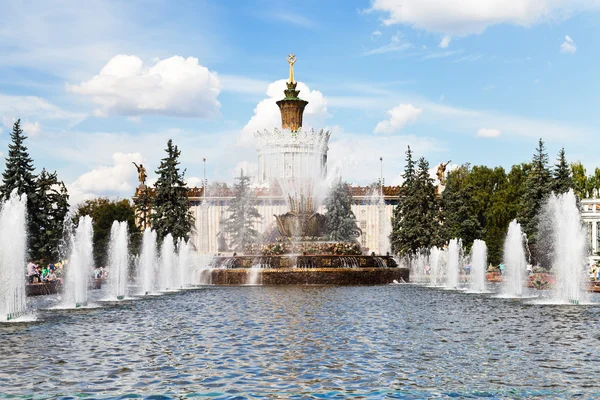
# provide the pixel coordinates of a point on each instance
(99, 84)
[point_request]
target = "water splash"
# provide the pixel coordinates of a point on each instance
(80, 264)
(167, 264)
(478, 266)
(13, 245)
(183, 263)
(203, 266)
(253, 275)
(435, 267)
(515, 264)
(119, 259)
(568, 247)
(453, 264)
(147, 263)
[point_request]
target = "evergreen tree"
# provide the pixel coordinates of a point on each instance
(170, 204)
(340, 220)
(18, 172)
(49, 216)
(243, 214)
(416, 219)
(537, 188)
(18, 175)
(460, 213)
(563, 182)
(403, 205)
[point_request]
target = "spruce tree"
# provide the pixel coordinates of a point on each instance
(403, 207)
(170, 204)
(340, 220)
(243, 214)
(18, 172)
(537, 188)
(416, 219)
(49, 216)
(18, 175)
(563, 182)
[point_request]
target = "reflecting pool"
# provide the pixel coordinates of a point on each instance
(397, 341)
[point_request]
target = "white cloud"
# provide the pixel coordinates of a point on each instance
(267, 115)
(399, 116)
(396, 44)
(488, 133)
(33, 107)
(445, 42)
(376, 33)
(118, 180)
(568, 46)
(175, 86)
(464, 17)
(31, 128)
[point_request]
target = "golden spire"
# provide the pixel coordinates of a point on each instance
(291, 59)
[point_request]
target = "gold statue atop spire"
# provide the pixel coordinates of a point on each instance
(292, 60)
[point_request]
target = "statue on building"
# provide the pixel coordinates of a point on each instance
(441, 172)
(141, 173)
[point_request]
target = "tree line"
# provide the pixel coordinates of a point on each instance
(48, 211)
(479, 202)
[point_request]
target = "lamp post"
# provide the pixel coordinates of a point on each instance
(204, 180)
(381, 177)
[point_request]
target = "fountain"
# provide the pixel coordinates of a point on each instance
(453, 264)
(294, 160)
(183, 262)
(478, 266)
(167, 264)
(515, 263)
(435, 266)
(13, 245)
(80, 264)
(147, 263)
(566, 245)
(118, 258)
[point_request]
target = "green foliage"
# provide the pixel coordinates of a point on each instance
(243, 214)
(416, 219)
(537, 188)
(49, 216)
(460, 207)
(104, 212)
(585, 186)
(170, 205)
(340, 220)
(18, 172)
(563, 182)
(47, 198)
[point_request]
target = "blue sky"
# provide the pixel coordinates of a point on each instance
(99, 84)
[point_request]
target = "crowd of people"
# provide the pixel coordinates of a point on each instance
(40, 272)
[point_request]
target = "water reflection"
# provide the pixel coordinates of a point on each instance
(399, 341)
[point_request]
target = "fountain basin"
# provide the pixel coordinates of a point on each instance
(311, 276)
(305, 261)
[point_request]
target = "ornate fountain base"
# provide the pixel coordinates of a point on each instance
(305, 270)
(309, 276)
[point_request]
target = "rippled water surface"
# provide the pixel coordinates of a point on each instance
(400, 341)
